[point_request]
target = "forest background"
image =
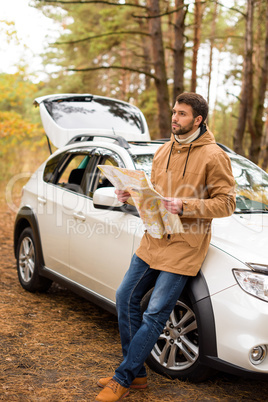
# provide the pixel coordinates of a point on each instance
(145, 52)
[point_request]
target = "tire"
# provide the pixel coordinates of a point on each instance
(176, 353)
(28, 264)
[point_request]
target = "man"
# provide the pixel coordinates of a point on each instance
(194, 174)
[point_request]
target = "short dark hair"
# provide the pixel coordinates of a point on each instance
(196, 101)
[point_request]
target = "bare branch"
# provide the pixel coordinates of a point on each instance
(110, 3)
(134, 70)
(229, 8)
(100, 36)
(160, 15)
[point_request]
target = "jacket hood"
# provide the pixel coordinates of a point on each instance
(205, 138)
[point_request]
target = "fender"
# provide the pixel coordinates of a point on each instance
(27, 218)
(198, 292)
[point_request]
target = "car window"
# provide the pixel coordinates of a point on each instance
(71, 173)
(67, 170)
(97, 179)
(51, 168)
(73, 170)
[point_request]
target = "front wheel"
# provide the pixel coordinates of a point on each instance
(28, 264)
(176, 352)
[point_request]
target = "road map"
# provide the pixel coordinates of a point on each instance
(157, 220)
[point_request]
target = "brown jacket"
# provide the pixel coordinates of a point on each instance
(200, 174)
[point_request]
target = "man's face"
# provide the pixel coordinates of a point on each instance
(183, 122)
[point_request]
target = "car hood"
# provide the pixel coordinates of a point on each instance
(66, 116)
(244, 236)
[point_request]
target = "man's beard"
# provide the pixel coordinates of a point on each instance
(183, 130)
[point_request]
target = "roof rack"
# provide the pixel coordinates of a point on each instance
(159, 141)
(89, 137)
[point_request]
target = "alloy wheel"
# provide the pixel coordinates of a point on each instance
(177, 347)
(26, 259)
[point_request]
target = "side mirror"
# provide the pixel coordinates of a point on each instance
(106, 198)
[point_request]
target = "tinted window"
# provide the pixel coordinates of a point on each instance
(73, 171)
(98, 179)
(50, 169)
(96, 113)
(67, 170)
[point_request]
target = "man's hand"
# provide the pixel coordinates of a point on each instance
(122, 195)
(173, 205)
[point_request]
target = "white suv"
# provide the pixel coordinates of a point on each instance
(71, 229)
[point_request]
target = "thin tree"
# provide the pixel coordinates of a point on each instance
(212, 41)
(256, 139)
(197, 39)
(247, 87)
(179, 48)
(155, 30)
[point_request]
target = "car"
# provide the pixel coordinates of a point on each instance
(71, 229)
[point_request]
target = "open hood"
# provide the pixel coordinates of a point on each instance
(65, 116)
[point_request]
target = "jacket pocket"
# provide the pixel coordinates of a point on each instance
(192, 239)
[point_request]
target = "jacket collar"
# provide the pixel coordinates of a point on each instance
(205, 138)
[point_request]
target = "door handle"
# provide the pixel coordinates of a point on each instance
(42, 200)
(79, 216)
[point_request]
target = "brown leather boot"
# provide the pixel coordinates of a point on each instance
(112, 392)
(138, 383)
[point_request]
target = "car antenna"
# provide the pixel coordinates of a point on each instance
(49, 145)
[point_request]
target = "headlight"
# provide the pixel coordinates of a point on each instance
(256, 284)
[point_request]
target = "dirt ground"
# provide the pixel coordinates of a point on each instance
(55, 346)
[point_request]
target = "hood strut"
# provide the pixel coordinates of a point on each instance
(49, 145)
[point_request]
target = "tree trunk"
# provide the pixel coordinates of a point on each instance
(246, 97)
(197, 35)
(258, 120)
(160, 69)
(265, 146)
(212, 39)
(178, 69)
(146, 50)
(254, 151)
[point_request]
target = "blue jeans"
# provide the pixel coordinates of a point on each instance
(139, 332)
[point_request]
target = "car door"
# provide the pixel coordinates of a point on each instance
(101, 241)
(61, 195)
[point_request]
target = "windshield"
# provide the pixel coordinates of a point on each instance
(251, 186)
(251, 183)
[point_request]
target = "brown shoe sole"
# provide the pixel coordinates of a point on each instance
(133, 386)
(123, 396)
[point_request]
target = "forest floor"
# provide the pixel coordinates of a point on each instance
(55, 346)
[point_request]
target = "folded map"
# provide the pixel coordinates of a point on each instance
(157, 220)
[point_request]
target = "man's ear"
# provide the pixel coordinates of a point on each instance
(198, 120)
